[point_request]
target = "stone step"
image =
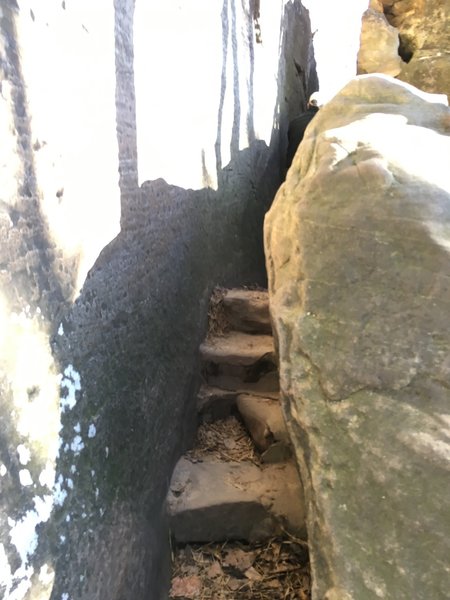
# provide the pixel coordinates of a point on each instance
(247, 310)
(238, 349)
(240, 362)
(261, 415)
(215, 403)
(267, 385)
(218, 501)
(264, 420)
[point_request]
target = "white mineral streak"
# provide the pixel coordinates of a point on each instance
(72, 384)
(24, 454)
(25, 477)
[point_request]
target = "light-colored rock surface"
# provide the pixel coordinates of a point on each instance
(238, 348)
(423, 26)
(358, 251)
(378, 52)
(264, 420)
(216, 501)
(241, 362)
(376, 5)
(429, 71)
(422, 23)
(247, 310)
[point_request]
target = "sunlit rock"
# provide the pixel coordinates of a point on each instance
(378, 52)
(425, 43)
(429, 71)
(358, 258)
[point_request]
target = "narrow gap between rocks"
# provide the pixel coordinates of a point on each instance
(235, 502)
(406, 46)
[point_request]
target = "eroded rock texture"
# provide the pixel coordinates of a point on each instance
(357, 245)
(425, 41)
(379, 44)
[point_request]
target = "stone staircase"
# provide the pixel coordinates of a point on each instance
(217, 494)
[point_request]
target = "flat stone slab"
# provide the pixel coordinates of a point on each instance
(218, 501)
(215, 403)
(264, 420)
(237, 348)
(267, 385)
(247, 310)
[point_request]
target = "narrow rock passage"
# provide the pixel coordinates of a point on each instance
(235, 501)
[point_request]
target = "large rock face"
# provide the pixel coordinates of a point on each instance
(425, 41)
(358, 245)
(96, 373)
(378, 52)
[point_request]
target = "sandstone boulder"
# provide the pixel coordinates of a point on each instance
(376, 5)
(429, 71)
(421, 23)
(425, 41)
(357, 245)
(378, 51)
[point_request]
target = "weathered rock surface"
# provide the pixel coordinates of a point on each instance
(378, 51)
(357, 246)
(241, 362)
(265, 422)
(238, 348)
(217, 501)
(422, 24)
(429, 71)
(247, 310)
(425, 41)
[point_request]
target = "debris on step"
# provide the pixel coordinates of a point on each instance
(274, 570)
(265, 422)
(247, 310)
(225, 439)
(220, 501)
(237, 492)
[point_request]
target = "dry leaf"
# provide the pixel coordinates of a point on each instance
(273, 584)
(186, 587)
(215, 570)
(239, 559)
(234, 584)
(229, 444)
(253, 574)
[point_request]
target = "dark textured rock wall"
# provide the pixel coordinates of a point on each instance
(109, 380)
